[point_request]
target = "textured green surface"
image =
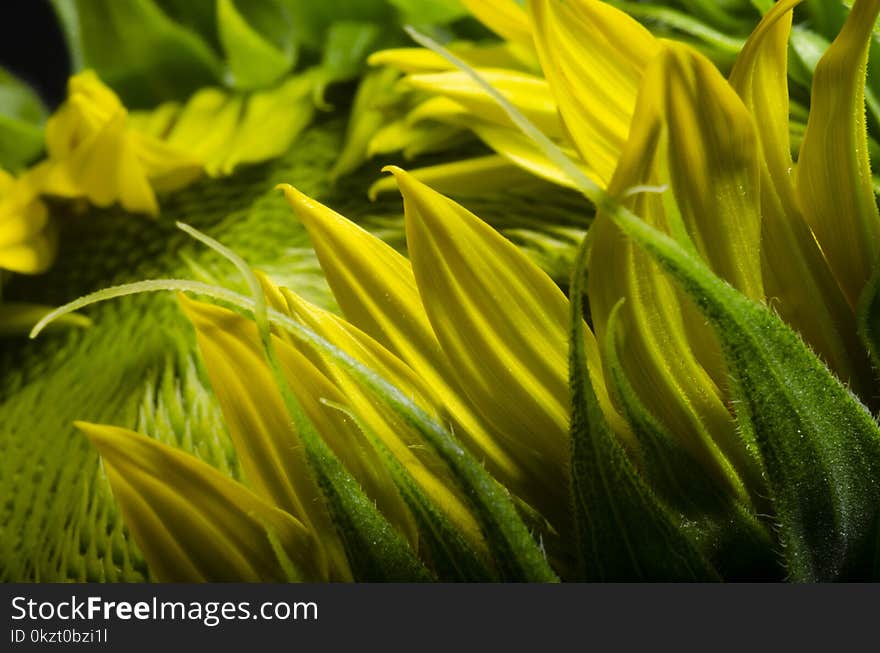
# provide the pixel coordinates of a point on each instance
(137, 366)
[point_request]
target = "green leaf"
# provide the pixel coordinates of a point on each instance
(137, 49)
(624, 533)
(22, 116)
(253, 62)
(819, 445)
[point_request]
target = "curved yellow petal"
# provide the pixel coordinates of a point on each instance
(504, 17)
(267, 445)
(466, 177)
(191, 522)
(797, 278)
(528, 93)
(593, 56)
(713, 165)
(834, 171)
(420, 461)
(376, 289)
(503, 325)
(662, 330)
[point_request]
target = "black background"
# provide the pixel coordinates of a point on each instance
(32, 47)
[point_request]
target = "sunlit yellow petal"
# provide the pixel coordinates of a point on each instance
(421, 60)
(191, 522)
(834, 172)
(376, 289)
(528, 93)
(265, 441)
(593, 56)
(504, 17)
(466, 177)
(797, 278)
(503, 324)
(522, 151)
(714, 167)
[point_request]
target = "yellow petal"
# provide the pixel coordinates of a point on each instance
(267, 445)
(168, 168)
(520, 150)
(376, 289)
(271, 122)
(503, 325)
(419, 460)
(422, 60)
(105, 169)
(504, 17)
(467, 177)
(33, 256)
(714, 166)
(89, 106)
(191, 522)
(593, 56)
(796, 275)
(662, 330)
(528, 93)
(205, 126)
(834, 172)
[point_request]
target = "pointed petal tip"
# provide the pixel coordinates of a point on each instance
(406, 182)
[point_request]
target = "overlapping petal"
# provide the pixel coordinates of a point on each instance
(834, 181)
(798, 280)
(593, 56)
(93, 153)
(195, 524)
(671, 357)
(27, 239)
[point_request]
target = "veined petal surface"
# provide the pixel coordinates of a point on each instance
(593, 56)
(192, 522)
(834, 171)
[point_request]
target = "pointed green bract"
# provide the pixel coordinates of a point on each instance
(451, 556)
(820, 448)
(624, 533)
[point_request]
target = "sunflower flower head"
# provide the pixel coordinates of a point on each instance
(695, 408)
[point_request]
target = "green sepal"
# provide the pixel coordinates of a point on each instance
(819, 446)
(517, 556)
(452, 558)
(738, 545)
(624, 532)
(346, 48)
